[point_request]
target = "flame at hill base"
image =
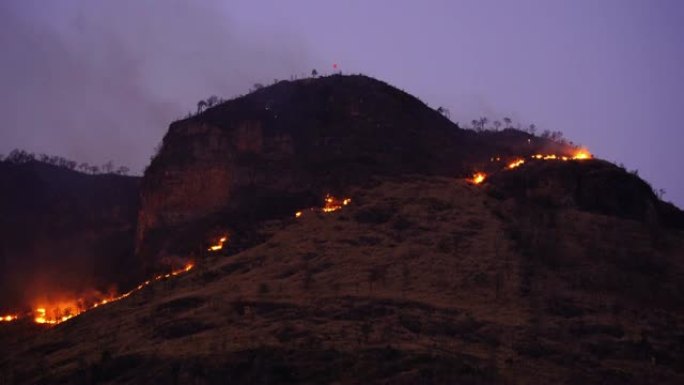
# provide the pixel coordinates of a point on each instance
(55, 311)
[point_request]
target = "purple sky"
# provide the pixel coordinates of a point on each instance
(99, 80)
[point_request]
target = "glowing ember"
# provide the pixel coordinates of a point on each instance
(516, 163)
(8, 318)
(55, 313)
(334, 204)
(219, 245)
(478, 178)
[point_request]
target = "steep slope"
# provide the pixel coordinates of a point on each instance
(262, 155)
(421, 279)
(64, 232)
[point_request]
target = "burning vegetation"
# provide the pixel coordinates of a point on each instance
(330, 204)
(218, 245)
(54, 312)
(579, 154)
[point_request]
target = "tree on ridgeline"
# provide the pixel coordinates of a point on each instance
(108, 167)
(314, 73)
(444, 111)
(497, 125)
(200, 106)
(508, 122)
(483, 121)
(212, 101)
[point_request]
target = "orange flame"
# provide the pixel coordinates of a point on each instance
(9, 318)
(218, 246)
(58, 312)
(478, 178)
(334, 204)
(516, 163)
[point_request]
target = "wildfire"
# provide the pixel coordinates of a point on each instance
(218, 246)
(516, 163)
(57, 312)
(9, 317)
(334, 204)
(298, 214)
(478, 178)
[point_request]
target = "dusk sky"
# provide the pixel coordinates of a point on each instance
(96, 80)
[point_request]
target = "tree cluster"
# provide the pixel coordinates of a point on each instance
(22, 157)
(481, 125)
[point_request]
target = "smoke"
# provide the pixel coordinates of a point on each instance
(96, 80)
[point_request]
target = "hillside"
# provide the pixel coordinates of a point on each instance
(284, 146)
(419, 280)
(63, 232)
(331, 230)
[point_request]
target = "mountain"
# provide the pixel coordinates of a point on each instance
(64, 232)
(551, 269)
(284, 146)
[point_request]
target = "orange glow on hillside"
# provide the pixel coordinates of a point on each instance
(219, 245)
(516, 163)
(334, 204)
(478, 178)
(9, 317)
(56, 312)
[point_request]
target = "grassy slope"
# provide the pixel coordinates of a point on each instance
(419, 280)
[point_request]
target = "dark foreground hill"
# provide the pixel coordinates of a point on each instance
(420, 280)
(63, 232)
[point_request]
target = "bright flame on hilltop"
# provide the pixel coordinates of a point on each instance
(478, 178)
(334, 204)
(219, 245)
(582, 154)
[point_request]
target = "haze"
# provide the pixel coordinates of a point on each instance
(101, 80)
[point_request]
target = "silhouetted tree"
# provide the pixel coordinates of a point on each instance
(497, 125)
(84, 167)
(201, 105)
(108, 167)
(212, 101)
(123, 170)
(258, 86)
(533, 129)
(314, 73)
(444, 111)
(507, 122)
(483, 121)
